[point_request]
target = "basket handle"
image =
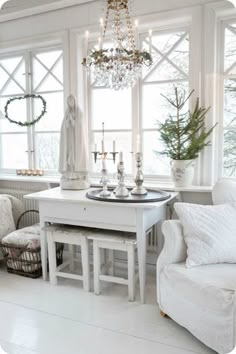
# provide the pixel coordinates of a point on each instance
(23, 214)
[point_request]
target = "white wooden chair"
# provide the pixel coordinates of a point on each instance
(73, 236)
(111, 241)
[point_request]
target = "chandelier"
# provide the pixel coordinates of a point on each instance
(119, 65)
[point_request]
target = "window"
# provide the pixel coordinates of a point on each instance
(170, 51)
(33, 72)
(114, 109)
(229, 121)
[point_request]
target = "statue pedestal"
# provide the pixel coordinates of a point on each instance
(75, 181)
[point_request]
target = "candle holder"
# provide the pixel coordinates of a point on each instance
(29, 172)
(104, 156)
(139, 179)
(121, 190)
(104, 181)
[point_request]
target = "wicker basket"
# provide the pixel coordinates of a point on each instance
(22, 261)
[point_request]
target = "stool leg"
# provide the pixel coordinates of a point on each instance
(52, 259)
(131, 272)
(85, 264)
(103, 258)
(110, 261)
(96, 267)
(72, 255)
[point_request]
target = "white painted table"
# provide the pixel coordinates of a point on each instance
(74, 208)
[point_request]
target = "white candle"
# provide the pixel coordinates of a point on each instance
(138, 143)
(104, 164)
(86, 42)
(99, 43)
(121, 156)
(150, 41)
(96, 147)
(101, 31)
(136, 31)
(114, 146)
(103, 147)
(200, 87)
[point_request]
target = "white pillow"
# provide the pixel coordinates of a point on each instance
(209, 233)
(7, 224)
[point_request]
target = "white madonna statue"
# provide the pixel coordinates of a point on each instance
(73, 164)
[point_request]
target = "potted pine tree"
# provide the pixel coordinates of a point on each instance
(184, 136)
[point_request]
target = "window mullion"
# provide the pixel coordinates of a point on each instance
(29, 107)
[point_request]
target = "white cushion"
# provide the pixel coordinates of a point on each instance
(202, 299)
(27, 237)
(224, 192)
(7, 224)
(209, 232)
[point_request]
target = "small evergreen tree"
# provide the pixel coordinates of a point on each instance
(184, 135)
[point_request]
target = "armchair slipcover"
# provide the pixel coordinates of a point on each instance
(201, 299)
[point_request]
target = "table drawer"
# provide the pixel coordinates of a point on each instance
(95, 214)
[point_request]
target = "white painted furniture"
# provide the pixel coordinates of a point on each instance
(74, 208)
(114, 242)
(73, 236)
(201, 299)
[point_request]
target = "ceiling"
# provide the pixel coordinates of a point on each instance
(15, 5)
(12, 6)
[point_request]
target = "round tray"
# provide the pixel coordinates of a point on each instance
(152, 196)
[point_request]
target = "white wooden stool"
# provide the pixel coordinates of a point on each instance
(73, 236)
(111, 241)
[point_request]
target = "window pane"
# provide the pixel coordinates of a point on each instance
(111, 107)
(152, 162)
(47, 151)
(12, 76)
(230, 103)
(155, 107)
(230, 48)
(123, 143)
(230, 153)
(229, 119)
(48, 71)
(170, 54)
(52, 120)
(13, 151)
(16, 111)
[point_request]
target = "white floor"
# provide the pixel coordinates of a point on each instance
(36, 317)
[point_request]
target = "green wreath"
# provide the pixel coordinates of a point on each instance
(19, 98)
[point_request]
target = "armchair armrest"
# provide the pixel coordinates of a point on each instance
(17, 206)
(174, 250)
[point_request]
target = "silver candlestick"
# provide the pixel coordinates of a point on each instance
(121, 190)
(104, 181)
(139, 179)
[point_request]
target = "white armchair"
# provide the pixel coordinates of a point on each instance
(201, 299)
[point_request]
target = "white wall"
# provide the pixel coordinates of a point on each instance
(80, 16)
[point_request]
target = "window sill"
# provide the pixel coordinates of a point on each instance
(38, 179)
(168, 186)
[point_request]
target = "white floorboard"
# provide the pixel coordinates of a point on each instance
(39, 318)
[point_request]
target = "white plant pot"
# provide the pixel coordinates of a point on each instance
(182, 172)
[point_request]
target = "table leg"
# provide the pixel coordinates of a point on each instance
(44, 250)
(142, 250)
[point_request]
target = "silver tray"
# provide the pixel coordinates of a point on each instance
(152, 196)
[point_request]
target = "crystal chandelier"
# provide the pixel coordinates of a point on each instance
(120, 65)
